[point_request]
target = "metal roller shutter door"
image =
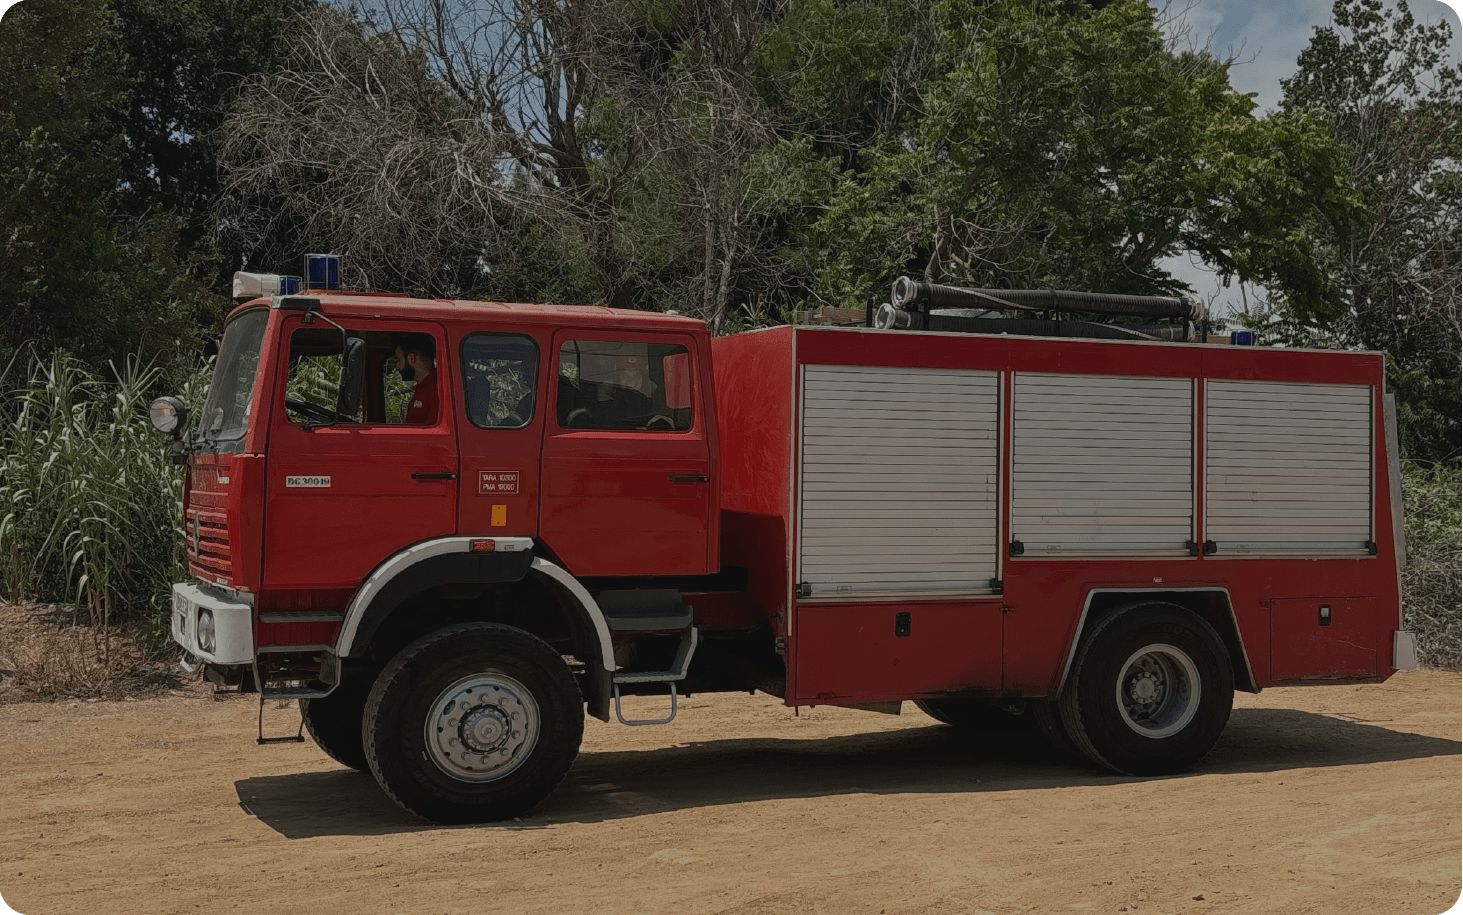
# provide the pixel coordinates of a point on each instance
(1288, 467)
(898, 481)
(1102, 465)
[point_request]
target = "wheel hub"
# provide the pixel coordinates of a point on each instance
(1158, 691)
(482, 727)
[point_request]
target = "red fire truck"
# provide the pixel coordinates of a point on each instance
(1106, 537)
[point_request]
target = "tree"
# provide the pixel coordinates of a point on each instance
(184, 62)
(1042, 142)
(1382, 84)
(74, 275)
(451, 148)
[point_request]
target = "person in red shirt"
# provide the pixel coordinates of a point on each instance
(416, 359)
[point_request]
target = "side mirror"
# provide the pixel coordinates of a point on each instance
(352, 378)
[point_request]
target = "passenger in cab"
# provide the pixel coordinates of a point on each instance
(416, 360)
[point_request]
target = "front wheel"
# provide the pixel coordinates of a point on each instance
(334, 721)
(1151, 691)
(472, 723)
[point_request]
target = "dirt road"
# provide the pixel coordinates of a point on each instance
(1330, 799)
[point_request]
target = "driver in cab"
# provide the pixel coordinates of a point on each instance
(416, 360)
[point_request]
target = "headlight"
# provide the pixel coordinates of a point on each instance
(207, 641)
(168, 414)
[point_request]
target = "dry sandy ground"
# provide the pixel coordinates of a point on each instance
(1329, 799)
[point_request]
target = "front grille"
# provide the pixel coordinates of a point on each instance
(209, 554)
(205, 523)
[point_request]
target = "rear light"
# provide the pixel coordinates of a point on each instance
(483, 546)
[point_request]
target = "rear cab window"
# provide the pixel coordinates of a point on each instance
(624, 386)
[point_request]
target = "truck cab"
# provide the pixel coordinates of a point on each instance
(564, 484)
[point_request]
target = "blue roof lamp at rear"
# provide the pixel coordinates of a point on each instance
(322, 271)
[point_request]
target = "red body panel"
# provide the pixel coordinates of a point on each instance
(611, 503)
(835, 647)
(602, 504)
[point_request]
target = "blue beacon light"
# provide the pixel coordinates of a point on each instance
(322, 271)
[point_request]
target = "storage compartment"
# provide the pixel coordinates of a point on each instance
(1102, 465)
(875, 651)
(898, 482)
(1323, 638)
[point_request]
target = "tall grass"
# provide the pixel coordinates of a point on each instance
(1432, 581)
(89, 502)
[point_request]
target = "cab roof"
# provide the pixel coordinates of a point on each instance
(339, 303)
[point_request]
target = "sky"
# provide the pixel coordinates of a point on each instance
(1267, 37)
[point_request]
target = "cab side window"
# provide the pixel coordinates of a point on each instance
(312, 389)
(400, 386)
(498, 377)
(624, 386)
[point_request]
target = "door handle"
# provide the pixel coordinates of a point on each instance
(689, 478)
(433, 475)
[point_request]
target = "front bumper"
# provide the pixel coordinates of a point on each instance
(233, 623)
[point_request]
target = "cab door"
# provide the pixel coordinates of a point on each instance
(344, 497)
(626, 461)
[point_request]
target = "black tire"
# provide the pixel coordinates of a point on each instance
(975, 715)
(1049, 723)
(1150, 692)
(523, 723)
(335, 722)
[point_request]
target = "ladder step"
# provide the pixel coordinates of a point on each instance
(651, 676)
(644, 610)
(293, 692)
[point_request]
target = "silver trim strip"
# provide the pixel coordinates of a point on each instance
(399, 563)
(546, 569)
(1087, 605)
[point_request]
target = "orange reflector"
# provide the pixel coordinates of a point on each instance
(483, 546)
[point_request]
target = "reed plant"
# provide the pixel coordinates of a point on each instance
(90, 504)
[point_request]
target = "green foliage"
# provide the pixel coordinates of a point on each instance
(1038, 142)
(1432, 583)
(90, 504)
(75, 274)
(1384, 87)
(108, 113)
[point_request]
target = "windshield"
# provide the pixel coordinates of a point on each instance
(226, 414)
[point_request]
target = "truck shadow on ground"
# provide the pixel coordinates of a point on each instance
(921, 759)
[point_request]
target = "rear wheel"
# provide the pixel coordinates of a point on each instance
(975, 715)
(472, 723)
(1049, 722)
(334, 721)
(1151, 691)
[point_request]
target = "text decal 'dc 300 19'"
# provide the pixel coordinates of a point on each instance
(307, 482)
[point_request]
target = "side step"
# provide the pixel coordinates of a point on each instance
(649, 612)
(295, 689)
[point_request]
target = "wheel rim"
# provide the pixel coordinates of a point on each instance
(482, 727)
(1158, 691)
